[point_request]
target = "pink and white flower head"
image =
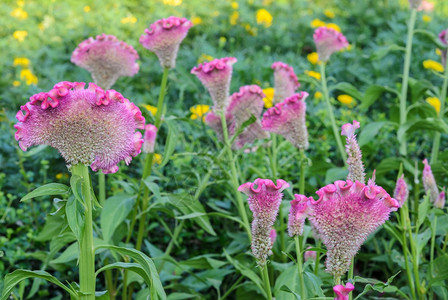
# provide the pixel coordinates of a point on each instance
(426, 6)
(264, 201)
(164, 37)
(149, 138)
(272, 236)
(328, 41)
(443, 37)
(342, 292)
(345, 214)
(354, 159)
(415, 4)
(285, 81)
(288, 119)
(88, 126)
(401, 192)
(309, 254)
(430, 185)
(215, 76)
(297, 214)
(440, 202)
(106, 58)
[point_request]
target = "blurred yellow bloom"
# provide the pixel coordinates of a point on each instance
(172, 2)
(234, 5)
(196, 20)
(268, 100)
(20, 3)
(233, 19)
(317, 23)
(130, 19)
(204, 58)
(433, 65)
(313, 74)
(87, 9)
(313, 58)
(264, 18)
(157, 159)
(199, 111)
(151, 109)
(438, 52)
(21, 61)
(329, 13)
(318, 95)
(434, 102)
(28, 76)
(215, 13)
(426, 18)
(222, 41)
(19, 13)
(347, 100)
(266, 2)
(333, 26)
(251, 30)
(16, 83)
(20, 35)
(59, 176)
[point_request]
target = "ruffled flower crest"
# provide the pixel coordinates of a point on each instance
(328, 41)
(285, 81)
(342, 292)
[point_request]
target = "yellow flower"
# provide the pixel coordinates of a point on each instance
(347, 100)
(19, 13)
(234, 5)
(59, 176)
(313, 74)
(28, 76)
(329, 13)
(204, 58)
(438, 52)
(434, 102)
(157, 159)
(233, 19)
(130, 19)
(87, 9)
(333, 26)
(433, 65)
(264, 18)
(172, 2)
(196, 20)
(16, 83)
(313, 58)
(318, 95)
(21, 61)
(426, 18)
(222, 41)
(317, 23)
(20, 3)
(269, 92)
(151, 109)
(199, 111)
(20, 35)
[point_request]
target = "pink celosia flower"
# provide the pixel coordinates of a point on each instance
(149, 138)
(106, 58)
(401, 191)
(297, 214)
(214, 121)
(164, 37)
(443, 37)
(264, 201)
(328, 41)
(288, 119)
(272, 236)
(309, 254)
(426, 6)
(88, 126)
(429, 182)
(342, 292)
(285, 81)
(354, 160)
(344, 215)
(215, 76)
(440, 202)
(415, 4)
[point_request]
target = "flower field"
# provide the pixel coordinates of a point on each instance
(259, 149)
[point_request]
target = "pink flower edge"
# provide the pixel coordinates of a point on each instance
(251, 188)
(292, 75)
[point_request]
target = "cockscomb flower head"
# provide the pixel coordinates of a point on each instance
(215, 76)
(354, 159)
(297, 214)
(345, 214)
(443, 37)
(264, 201)
(342, 292)
(429, 182)
(285, 81)
(328, 41)
(149, 138)
(106, 58)
(401, 192)
(89, 126)
(309, 254)
(288, 119)
(164, 37)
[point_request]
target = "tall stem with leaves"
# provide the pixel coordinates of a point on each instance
(267, 284)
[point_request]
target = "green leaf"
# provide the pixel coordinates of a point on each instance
(114, 212)
(380, 52)
(434, 124)
(440, 266)
(348, 89)
(75, 213)
(376, 285)
(422, 211)
(152, 186)
(288, 279)
(146, 264)
(369, 131)
(76, 185)
(422, 240)
(205, 261)
(241, 129)
(372, 94)
(48, 190)
(14, 278)
(334, 174)
(127, 266)
(170, 143)
(313, 284)
(432, 37)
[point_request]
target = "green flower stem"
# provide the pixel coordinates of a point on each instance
(404, 242)
(316, 262)
(415, 259)
(404, 84)
(350, 275)
(302, 171)
(87, 252)
(300, 267)
(234, 176)
(337, 280)
(267, 285)
(433, 242)
(436, 144)
(326, 95)
(232, 288)
(102, 188)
